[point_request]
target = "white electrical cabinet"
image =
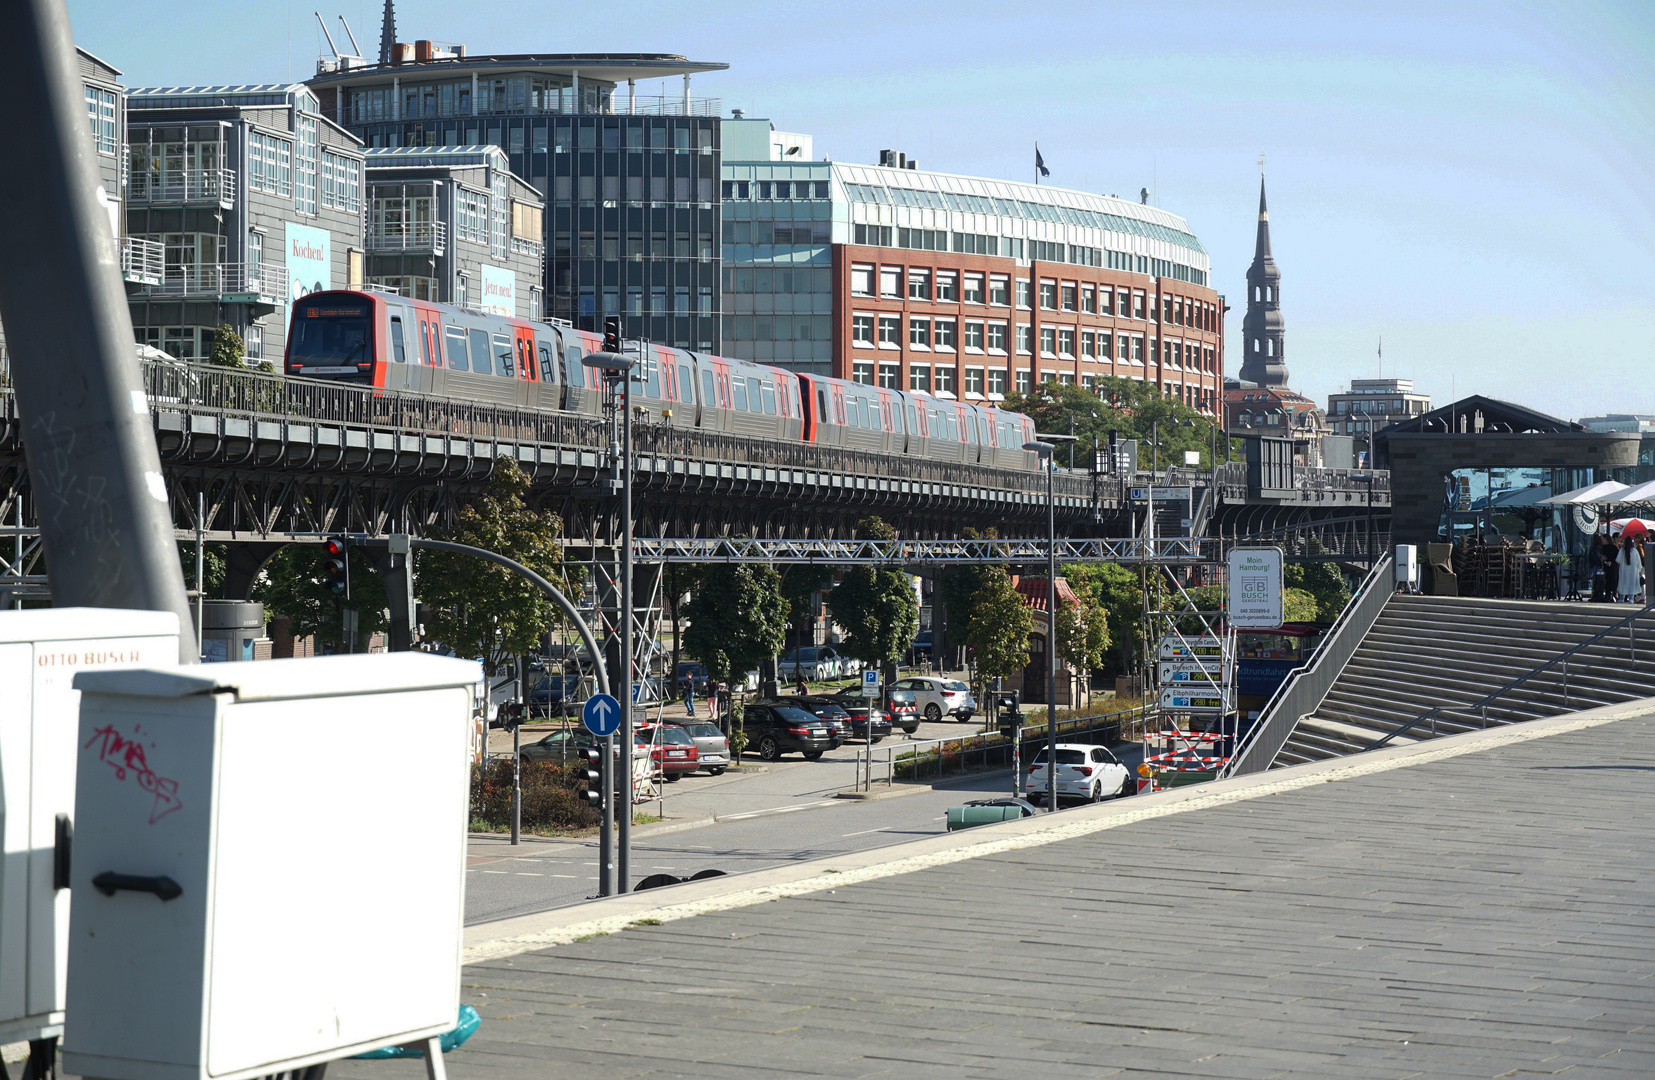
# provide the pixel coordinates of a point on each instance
(269, 870)
(1407, 567)
(40, 651)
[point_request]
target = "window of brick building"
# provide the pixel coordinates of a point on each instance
(999, 291)
(973, 289)
(861, 329)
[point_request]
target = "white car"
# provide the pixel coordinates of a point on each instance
(1083, 772)
(938, 697)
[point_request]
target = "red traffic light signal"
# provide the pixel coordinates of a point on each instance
(612, 334)
(336, 568)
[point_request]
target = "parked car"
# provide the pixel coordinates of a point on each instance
(939, 697)
(852, 701)
(774, 730)
(903, 709)
(694, 674)
(988, 812)
(920, 650)
(856, 719)
(808, 662)
(566, 746)
(1083, 772)
(711, 746)
(554, 694)
(837, 720)
(844, 665)
(672, 747)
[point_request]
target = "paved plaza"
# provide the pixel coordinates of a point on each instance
(1481, 906)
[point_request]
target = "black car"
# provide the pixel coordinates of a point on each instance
(835, 718)
(554, 694)
(852, 701)
(774, 730)
(826, 706)
(693, 674)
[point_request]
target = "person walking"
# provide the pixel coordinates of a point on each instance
(1629, 570)
(1611, 569)
(801, 687)
(689, 694)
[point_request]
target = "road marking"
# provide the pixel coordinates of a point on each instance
(521, 874)
(779, 810)
(491, 871)
(865, 832)
(563, 875)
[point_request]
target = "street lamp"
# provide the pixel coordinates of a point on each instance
(617, 367)
(1045, 446)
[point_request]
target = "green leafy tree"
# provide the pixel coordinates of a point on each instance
(961, 583)
(227, 348)
(1297, 605)
(876, 607)
(480, 609)
(1135, 410)
(214, 562)
(294, 584)
(1000, 626)
(738, 618)
(800, 582)
(1325, 583)
(1082, 632)
(1118, 591)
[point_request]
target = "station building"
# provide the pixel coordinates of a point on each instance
(255, 199)
(453, 224)
(957, 286)
(1372, 404)
(630, 181)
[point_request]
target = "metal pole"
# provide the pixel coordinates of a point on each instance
(624, 877)
(1051, 642)
(516, 780)
(606, 826)
(105, 524)
(200, 571)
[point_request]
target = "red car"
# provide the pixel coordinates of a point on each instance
(673, 749)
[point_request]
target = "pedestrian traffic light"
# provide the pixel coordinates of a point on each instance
(612, 334)
(336, 568)
(591, 777)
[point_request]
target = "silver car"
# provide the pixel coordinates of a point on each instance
(938, 697)
(711, 744)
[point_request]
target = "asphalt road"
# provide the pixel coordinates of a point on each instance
(552, 873)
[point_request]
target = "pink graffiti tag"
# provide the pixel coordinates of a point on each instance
(124, 755)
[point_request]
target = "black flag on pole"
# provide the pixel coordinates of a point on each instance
(1040, 162)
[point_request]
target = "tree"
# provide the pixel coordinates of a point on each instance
(1120, 594)
(1297, 605)
(1000, 626)
(1082, 632)
(738, 618)
(1324, 583)
(293, 584)
(800, 583)
(478, 608)
(214, 563)
(227, 348)
(877, 607)
(960, 584)
(1133, 409)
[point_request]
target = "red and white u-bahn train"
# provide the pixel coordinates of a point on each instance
(399, 343)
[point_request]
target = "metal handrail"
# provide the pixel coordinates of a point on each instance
(993, 742)
(1292, 699)
(1562, 658)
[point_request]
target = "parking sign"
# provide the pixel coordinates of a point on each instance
(870, 683)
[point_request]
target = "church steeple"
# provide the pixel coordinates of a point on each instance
(387, 34)
(1263, 329)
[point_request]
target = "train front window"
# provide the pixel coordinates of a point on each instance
(331, 335)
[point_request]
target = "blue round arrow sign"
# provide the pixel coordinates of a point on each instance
(602, 715)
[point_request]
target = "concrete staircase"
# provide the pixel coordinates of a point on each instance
(1431, 651)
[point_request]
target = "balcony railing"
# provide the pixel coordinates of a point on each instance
(531, 248)
(419, 236)
(143, 261)
(231, 282)
(185, 186)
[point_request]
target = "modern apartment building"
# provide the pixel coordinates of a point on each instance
(630, 181)
(956, 286)
(1371, 404)
(255, 198)
(453, 224)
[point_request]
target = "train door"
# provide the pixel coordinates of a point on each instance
(394, 362)
(432, 378)
(548, 387)
(579, 381)
(687, 411)
(919, 432)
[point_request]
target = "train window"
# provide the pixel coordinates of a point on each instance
(913, 421)
(397, 353)
(525, 369)
(480, 362)
(821, 405)
(456, 347)
(652, 378)
(502, 353)
(769, 399)
(686, 385)
(425, 340)
(546, 375)
(707, 394)
(738, 392)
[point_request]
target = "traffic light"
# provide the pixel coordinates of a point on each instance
(612, 334)
(591, 776)
(337, 567)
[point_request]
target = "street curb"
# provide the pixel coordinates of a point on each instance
(657, 827)
(882, 793)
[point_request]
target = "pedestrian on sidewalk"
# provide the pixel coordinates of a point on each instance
(689, 695)
(801, 687)
(1629, 570)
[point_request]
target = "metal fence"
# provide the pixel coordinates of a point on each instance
(1301, 694)
(936, 758)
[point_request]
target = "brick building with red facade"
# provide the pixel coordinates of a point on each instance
(957, 286)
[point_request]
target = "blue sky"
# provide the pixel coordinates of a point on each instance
(1475, 182)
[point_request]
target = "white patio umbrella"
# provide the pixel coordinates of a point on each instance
(1641, 493)
(1601, 492)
